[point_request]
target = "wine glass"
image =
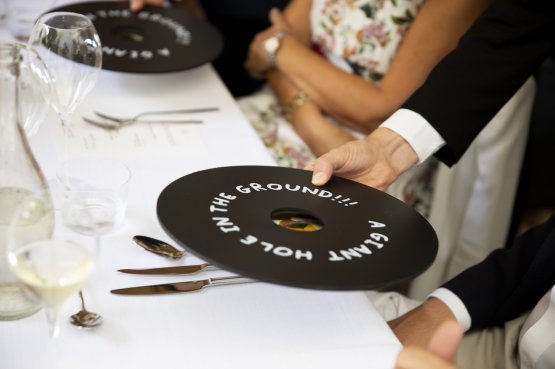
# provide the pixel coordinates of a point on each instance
(51, 267)
(70, 47)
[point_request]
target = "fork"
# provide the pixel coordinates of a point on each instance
(113, 125)
(160, 112)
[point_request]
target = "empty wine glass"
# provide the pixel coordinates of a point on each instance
(52, 268)
(70, 47)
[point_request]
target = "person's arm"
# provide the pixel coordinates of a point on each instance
(500, 288)
(311, 125)
(417, 326)
(320, 134)
(504, 47)
(363, 103)
(292, 23)
(438, 353)
(510, 280)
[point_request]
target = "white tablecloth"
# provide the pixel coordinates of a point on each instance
(243, 326)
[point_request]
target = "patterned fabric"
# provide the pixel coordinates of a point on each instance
(283, 143)
(364, 33)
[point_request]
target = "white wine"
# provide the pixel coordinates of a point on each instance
(52, 270)
(36, 222)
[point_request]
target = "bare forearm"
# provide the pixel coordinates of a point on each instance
(417, 326)
(335, 91)
(364, 105)
(424, 45)
(320, 134)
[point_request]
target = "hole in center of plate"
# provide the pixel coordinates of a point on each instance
(297, 220)
(129, 33)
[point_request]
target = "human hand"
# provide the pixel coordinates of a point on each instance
(257, 63)
(137, 5)
(439, 353)
(193, 7)
(375, 161)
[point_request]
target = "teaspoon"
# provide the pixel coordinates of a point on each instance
(84, 318)
(158, 247)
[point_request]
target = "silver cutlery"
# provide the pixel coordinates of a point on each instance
(159, 112)
(84, 318)
(158, 247)
(113, 125)
(181, 287)
(176, 270)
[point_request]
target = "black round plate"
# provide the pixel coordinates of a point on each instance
(369, 239)
(153, 40)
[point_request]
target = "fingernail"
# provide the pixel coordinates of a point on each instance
(318, 178)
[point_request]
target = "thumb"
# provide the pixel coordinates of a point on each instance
(277, 19)
(322, 170)
(136, 5)
(446, 339)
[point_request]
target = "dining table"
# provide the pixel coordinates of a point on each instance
(252, 325)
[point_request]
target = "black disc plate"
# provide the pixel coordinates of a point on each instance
(369, 239)
(153, 40)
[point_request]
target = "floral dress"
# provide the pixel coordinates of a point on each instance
(359, 36)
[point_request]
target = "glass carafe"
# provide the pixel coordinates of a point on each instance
(20, 174)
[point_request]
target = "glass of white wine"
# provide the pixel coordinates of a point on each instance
(51, 268)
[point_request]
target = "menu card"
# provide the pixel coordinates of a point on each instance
(132, 141)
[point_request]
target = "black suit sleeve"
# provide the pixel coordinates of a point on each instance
(509, 281)
(500, 51)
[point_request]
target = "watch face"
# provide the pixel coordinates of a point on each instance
(271, 45)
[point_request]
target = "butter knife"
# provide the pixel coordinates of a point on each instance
(176, 270)
(180, 287)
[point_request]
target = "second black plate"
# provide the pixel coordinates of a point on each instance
(153, 40)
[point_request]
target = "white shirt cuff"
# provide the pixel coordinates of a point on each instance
(455, 304)
(417, 131)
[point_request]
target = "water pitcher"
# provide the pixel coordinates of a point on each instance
(20, 174)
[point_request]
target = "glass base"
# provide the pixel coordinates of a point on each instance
(15, 303)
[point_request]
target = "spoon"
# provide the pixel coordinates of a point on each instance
(158, 247)
(84, 318)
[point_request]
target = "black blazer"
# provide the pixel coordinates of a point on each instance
(500, 51)
(509, 281)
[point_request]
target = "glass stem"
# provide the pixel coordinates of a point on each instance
(64, 118)
(52, 320)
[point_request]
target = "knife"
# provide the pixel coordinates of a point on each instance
(190, 286)
(183, 269)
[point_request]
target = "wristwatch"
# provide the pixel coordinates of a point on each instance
(271, 45)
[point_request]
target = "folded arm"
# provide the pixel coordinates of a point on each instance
(320, 134)
(362, 103)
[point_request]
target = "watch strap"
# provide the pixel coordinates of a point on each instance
(271, 54)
